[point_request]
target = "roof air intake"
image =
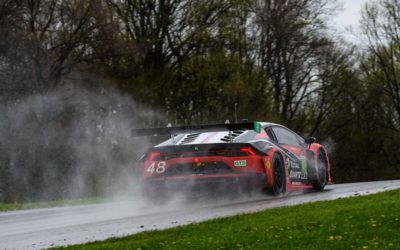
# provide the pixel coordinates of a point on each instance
(232, 136)
(189, 138)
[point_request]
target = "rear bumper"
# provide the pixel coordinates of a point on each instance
(197, 182)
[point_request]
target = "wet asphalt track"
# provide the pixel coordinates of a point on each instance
(43, 228)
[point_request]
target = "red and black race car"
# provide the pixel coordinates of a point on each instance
(239, 156)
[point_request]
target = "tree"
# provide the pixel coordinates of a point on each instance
(381, 72)
(48, 39)
(170, 36)
(290, 41)
(381, 28)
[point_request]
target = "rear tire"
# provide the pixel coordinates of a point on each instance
(278, 175)
(318, 172)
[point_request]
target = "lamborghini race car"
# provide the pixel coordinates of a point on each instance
(243, 156)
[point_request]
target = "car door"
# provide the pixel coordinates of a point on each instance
(295, 151)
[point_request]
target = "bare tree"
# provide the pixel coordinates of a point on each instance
(167, 31)
(381, 27)
(46, 40)
(290, 39)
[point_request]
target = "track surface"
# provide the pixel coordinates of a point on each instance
(43, 228)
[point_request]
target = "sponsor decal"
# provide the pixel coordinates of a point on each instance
(240, 163)
(297, 169)
(268, 164)
(297, 175)
(292, 164)
(303, 165)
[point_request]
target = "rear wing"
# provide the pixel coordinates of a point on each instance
(197, 129)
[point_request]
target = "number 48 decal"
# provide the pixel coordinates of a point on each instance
(159, 169)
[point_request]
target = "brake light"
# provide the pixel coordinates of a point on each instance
(153, 155)
(248, 150)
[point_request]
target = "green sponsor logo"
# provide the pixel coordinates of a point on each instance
(303, 165)
(241, 163)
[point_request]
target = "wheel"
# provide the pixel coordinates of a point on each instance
(319, 172)
(279, 185)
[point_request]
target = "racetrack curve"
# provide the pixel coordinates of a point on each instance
(49, 227)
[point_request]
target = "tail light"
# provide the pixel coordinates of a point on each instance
(153, 156)
(243, 151)
(248, 150)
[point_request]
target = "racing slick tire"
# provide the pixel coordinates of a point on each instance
(279, 177)
(318, 171)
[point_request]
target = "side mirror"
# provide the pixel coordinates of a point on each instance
(310, 140)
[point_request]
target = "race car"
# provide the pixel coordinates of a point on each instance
(233, 156)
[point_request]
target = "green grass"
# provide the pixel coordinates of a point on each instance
(367, 222)
(47, 204)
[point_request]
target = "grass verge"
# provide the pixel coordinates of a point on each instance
(367, 222)
(47, 204)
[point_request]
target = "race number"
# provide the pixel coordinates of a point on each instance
(159, 169)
